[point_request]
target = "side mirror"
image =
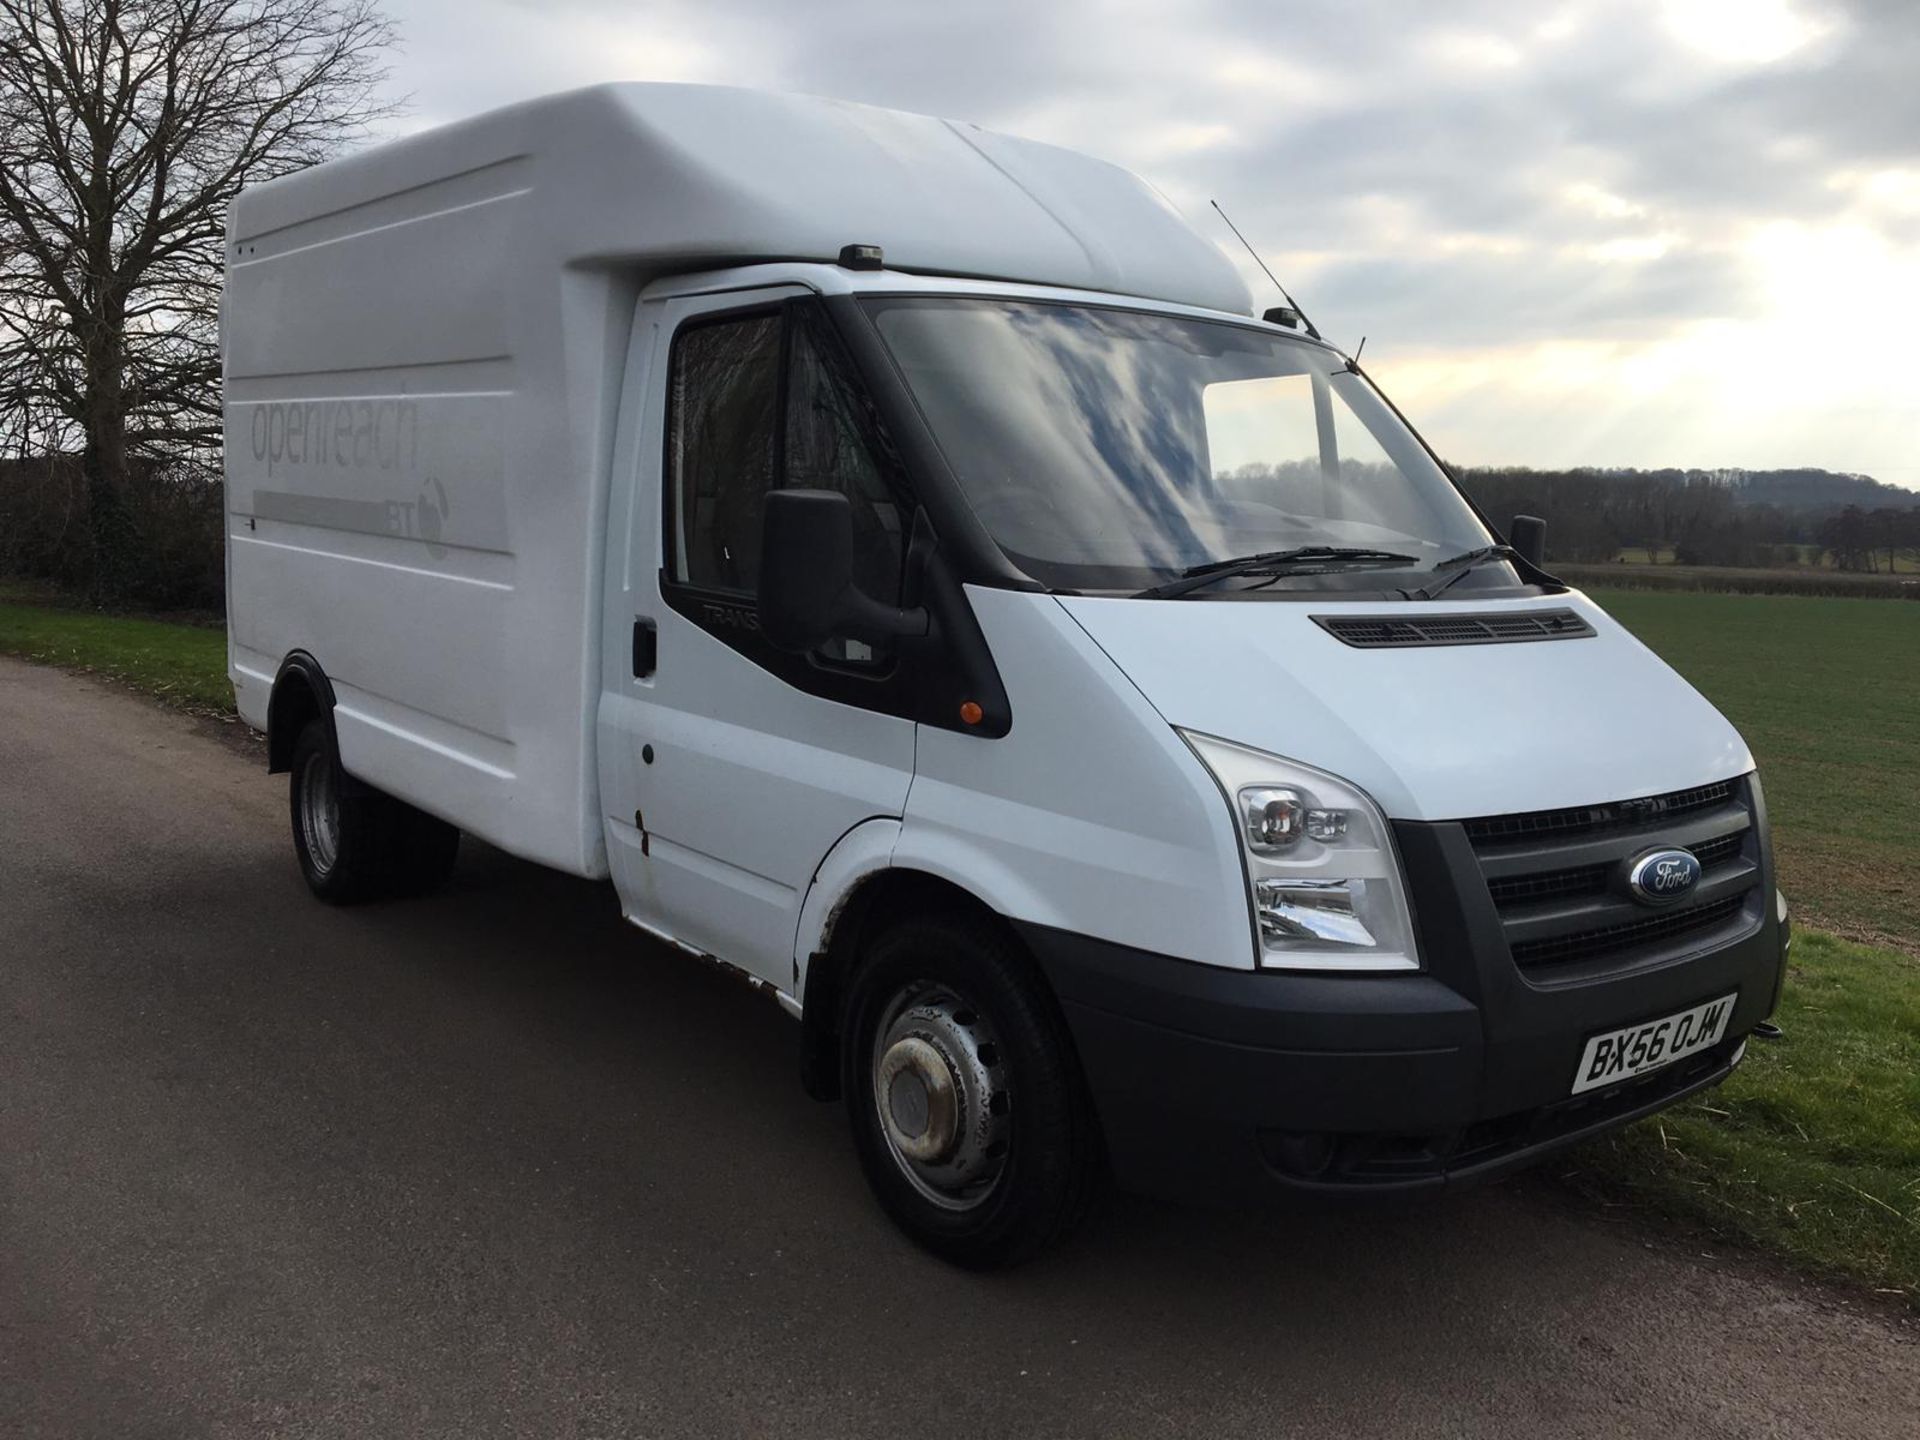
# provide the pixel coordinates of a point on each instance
(807, 594)
(1528, 535)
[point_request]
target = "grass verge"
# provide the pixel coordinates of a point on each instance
(1812, 1149)
(183, 665)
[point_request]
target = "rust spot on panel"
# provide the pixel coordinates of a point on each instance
(734, 972)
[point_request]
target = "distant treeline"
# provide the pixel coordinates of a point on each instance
(171, 557)
(1709, 517)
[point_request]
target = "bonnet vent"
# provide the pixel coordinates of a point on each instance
(1499, 627)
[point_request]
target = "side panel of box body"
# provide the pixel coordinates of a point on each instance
(420, 400)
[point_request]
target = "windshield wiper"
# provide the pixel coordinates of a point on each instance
(1267, 562)
(1463, 565)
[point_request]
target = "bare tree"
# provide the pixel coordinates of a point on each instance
(126, 128)
(1847, 536)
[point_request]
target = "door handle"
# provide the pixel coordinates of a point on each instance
(646, 649)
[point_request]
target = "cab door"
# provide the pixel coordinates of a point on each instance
(729, 769)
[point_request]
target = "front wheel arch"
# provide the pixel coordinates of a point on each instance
(873, 904)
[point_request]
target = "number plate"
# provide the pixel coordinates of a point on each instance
(1622, 1054)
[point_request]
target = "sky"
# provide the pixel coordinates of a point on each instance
(1597, 232)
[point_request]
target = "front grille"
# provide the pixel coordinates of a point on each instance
(1555, 884)
(1610, 939)
(1711, 852)
(1557, 878)
(1495, 627)
(1590, 819)
(1597, 879)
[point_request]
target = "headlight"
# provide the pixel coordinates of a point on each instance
(1326, 888)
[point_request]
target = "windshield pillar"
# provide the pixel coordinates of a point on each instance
(1323, 425)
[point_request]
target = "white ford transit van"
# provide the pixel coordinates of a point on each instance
(897, 556)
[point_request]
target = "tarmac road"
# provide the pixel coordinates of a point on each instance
(492, 1164)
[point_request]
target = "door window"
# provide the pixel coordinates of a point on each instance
(726, 386)
(763, 400)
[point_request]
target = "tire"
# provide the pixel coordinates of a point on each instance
(954, 1048)
(353, 842)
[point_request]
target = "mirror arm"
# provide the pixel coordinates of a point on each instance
(861, 617)
(921, 544)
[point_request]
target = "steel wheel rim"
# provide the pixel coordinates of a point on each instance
(320, 812)
(937, 1081)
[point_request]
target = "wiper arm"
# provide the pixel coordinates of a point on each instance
(1268, 561)
(1463, 565)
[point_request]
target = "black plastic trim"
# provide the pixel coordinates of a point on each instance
(299, 667)
(1557, 945)
(1603, 844)
(1414, 630)
(1383, 1012)
(1525, 828)
(1557, 880)
(646, 647)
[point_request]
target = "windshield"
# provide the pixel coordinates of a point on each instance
(1112, 449)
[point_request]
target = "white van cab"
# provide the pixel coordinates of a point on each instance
(897, 556)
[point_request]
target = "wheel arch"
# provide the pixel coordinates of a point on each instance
(301, 694)
(874, 897)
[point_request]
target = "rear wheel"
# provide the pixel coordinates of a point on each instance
(353, 842)
(966, 1100)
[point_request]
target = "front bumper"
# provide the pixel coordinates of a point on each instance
(1219, 1085)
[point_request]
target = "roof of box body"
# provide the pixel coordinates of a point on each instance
(676, 177)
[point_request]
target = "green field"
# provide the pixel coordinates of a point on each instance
(1803, 581)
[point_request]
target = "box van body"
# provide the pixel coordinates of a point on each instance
(897, 558)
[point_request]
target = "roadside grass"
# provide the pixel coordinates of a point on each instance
(1827, 694)
(1812, 1149)
(183, 665)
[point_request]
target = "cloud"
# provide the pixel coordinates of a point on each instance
(1466, 183)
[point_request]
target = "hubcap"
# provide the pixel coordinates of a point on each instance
(320, 812)
(939, 1091)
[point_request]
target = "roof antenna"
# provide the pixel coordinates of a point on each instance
(1270, 275)
(1358, 350)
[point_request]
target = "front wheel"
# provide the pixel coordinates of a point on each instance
(966, 1100)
